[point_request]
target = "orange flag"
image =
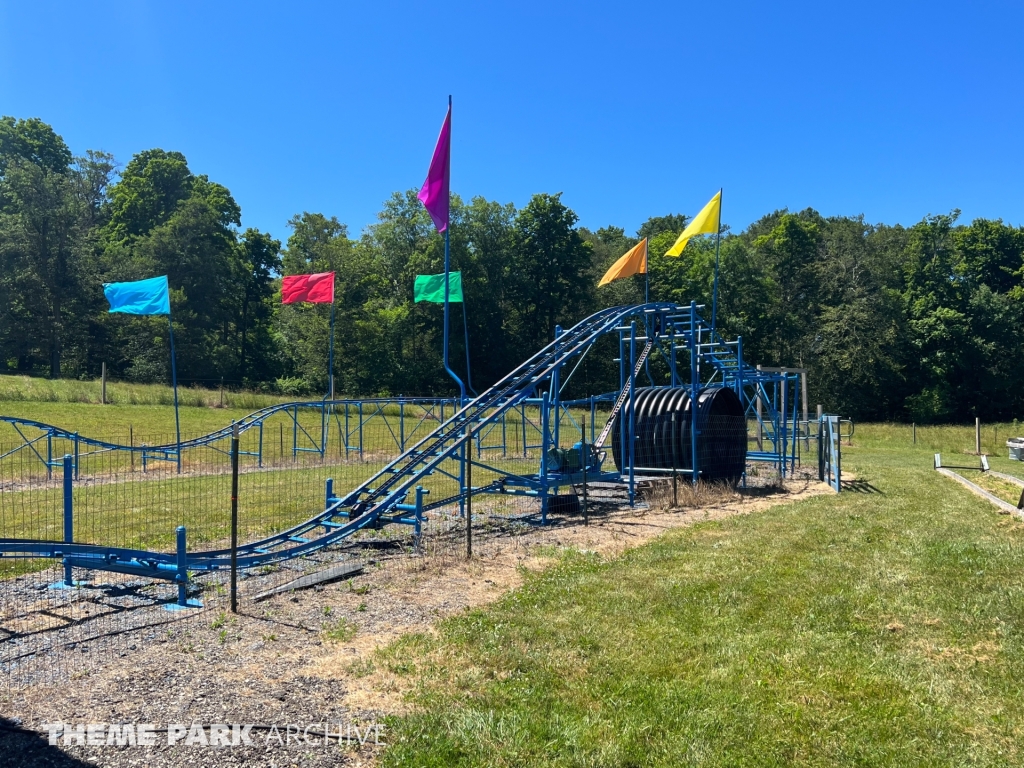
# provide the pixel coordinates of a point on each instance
(633, 262)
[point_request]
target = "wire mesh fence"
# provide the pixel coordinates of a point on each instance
(53, 627)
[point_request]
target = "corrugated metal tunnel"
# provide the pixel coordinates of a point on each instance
(664, 443)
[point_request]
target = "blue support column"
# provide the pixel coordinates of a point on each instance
(545, 418)
(522, 421)
(69, 518)
(622, 384)
(418, 524)
(739, 374)
(181, 577)
(182, 562)
(465, 454)
(295, 432)
(68, 581)
(694, 394)
(556, 399)
(632, 413)
(324, 426)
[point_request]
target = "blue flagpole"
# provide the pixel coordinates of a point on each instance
(447, 270)
(647, 273)
(718, 246)
(174, 382)
(330, 359)
(465, 328)
(447, 289)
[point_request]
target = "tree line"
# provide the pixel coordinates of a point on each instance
(921, 322)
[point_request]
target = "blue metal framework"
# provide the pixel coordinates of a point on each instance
(769, 398)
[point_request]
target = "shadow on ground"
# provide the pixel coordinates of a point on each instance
(30, 749)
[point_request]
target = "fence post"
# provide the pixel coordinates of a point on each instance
(839, 458)
(418, 526)
(803, 397)
(182, 562)
(585, 448)
(69, 517)
(821, 447)
(234, 519)
(544, 423)
(103, 384)
(977, 436)
(468, 454)
(675, 473)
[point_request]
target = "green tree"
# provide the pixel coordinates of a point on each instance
(44, 226)
(259, 261)
(550, 273)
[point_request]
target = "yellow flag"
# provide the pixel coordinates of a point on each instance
(706, 222)
(632, 262)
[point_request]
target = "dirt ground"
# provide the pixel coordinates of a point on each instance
(298, 659)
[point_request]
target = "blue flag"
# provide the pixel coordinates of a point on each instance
(143, 297)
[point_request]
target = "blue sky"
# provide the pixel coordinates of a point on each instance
(894, 110)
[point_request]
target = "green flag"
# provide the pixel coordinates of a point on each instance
(431, 287)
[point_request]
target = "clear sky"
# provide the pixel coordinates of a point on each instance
(631, 109)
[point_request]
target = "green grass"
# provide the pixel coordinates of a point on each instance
(34, 389)
(878, 627)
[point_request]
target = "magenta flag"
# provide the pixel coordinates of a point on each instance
(434, 192)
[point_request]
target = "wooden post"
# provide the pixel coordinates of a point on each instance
(221, 391)
(131, 444)
(103, 384)
(915, 433)
(977, 435)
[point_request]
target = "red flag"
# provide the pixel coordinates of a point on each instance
(316, 289)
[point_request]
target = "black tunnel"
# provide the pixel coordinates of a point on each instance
(664, 443)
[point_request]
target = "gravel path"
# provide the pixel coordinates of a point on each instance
(302, 658)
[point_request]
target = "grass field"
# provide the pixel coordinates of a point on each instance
(882, 626)
(33, 389)
(116, 503)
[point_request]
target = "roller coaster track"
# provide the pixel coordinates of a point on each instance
(381, 499)
(244, 424)
(599, 443)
